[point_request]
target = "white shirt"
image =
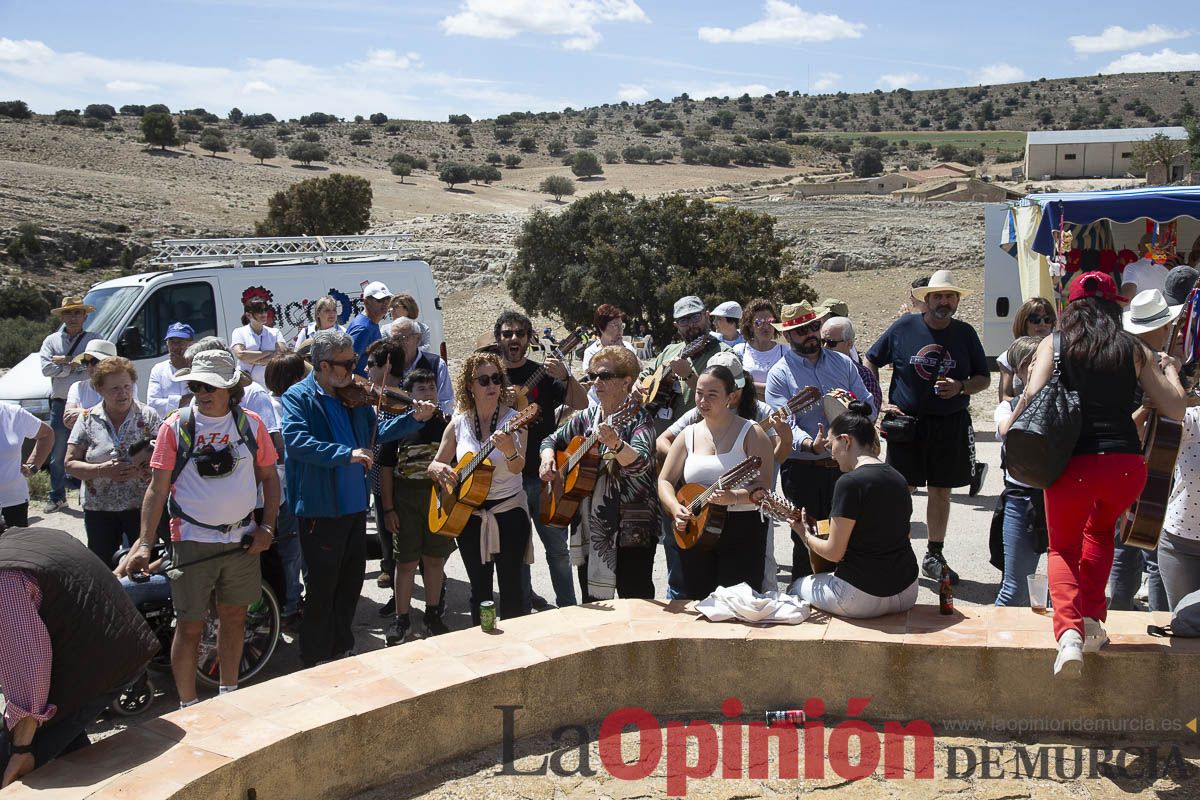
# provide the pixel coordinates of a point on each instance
(1183, 506)
(16, 425)
(1146, 274)
(163, 391)
(263, 342)
(310, 330)
(504, 483)
(758, 362)
(82, 394)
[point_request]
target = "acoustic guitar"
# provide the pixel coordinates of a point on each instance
(578, 468)
(704, 529)
(450, 511)
(655, 396)
(782, 510)
(557, 350)
(800, 401)
(1144, 521)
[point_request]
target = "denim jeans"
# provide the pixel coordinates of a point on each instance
(1179, 566)
(675, 589)
(153, 591)
(58, 455)
(1126, 577)
(833, 595)
(558, 553)
(1020, 561)
(291, 556)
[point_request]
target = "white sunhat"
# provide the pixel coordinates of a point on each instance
(217, 368)
(1148, 311)
(99, 349)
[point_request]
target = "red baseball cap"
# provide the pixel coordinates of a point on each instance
(1095, 284)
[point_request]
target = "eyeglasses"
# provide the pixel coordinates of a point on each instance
(511, 334)
(1036, 319)
(603, 376)
(832, 342)
(349, 364)
(492, 379)
(689, 319)
(196, 387)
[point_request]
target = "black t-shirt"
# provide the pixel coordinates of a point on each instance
(549, 394)
(919, 355)
(879, 557)
(410, 455)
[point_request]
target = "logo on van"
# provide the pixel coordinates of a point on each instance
(293, 316)
(264, 294)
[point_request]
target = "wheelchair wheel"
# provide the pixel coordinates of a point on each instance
(263, 624)
(134, 698)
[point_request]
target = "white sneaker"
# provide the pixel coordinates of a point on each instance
(1142, 595)
(1094, 636)
(1069, 662)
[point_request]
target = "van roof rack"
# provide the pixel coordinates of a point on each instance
(265, 249)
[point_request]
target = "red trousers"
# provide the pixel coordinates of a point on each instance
(1082, 508)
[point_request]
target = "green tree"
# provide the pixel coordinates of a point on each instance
(585, 137)
(460, 119)
(493, 158)
(15, 109)
(557, 185)
(643, 254)
(378, 118)
(159, 108)
(235, 115)
(101, 111)
(335, 205)
(512, 161)
(504, 134)
(556, 147)
(159, 129)
(1158, 149)
(133, 110)
(189, 124)
(527, 144)
(452, 172)
(486, 173)
(213, 141)
(585, 164)
(401, 168)
(262, 148)
(360, 136)
(946, 152)
(310, 136)
(307, 152)
(416, 162)
(866, 162)
(67, 116)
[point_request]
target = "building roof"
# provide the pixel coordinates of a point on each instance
(939, 171)
(1105, 135)
(934, 186)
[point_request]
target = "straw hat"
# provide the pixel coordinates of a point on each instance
(940, 281)
(72, 304)
(1148, 312)
(799, 314)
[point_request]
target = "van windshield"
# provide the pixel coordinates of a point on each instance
(111, 305)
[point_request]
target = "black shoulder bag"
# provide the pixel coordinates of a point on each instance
(1042, 439)
(902, 428)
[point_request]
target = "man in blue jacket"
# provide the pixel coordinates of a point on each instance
(328, 459)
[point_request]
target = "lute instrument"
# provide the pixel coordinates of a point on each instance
(557, 350)
(801, 401)
(782, 510)
(655, 397)
(578, 468)
(708, 520)
(449, 511)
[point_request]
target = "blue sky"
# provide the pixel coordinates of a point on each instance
(424, 60)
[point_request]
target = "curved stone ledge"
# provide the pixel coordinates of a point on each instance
(340, 728)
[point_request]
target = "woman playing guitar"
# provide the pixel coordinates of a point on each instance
(482, 390)
(618, 529)
(724, 436)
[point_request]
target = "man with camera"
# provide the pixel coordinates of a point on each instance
(209, 459)
(937, 363)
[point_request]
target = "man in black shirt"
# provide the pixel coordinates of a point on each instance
(552, 385)
(937, 362)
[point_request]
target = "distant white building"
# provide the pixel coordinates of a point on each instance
(1092, 154)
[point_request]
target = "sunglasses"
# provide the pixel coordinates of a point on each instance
(758, 323)
(1035, 319)
(195, 387)
(832, 342)
(349, 364)
(513, 334)
(811, 327)
(493, 379)
(602, 376)
(89, 361)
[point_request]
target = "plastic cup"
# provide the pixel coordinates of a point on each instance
(1039, 586)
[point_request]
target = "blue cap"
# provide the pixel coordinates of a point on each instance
(180, 330)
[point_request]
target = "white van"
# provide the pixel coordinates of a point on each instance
(1001, 283)
(290, 273)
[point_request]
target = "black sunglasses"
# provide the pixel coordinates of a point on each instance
(513, 334)
(832, 342)
(1035, 319)
(602, 376)
(196, 387)
(489, 380)
(88, 361)
(811, 327)
(349, 364)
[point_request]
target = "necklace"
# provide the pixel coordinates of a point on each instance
(719, 440)
(492, 429)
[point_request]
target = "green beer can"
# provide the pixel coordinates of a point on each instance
(487, 615)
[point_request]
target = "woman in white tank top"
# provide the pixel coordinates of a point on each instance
(724, 436)
(479, 389)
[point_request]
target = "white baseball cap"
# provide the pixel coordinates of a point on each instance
(376, 290)
(731, 362)
(728, 309)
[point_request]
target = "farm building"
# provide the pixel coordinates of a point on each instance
(959, 189)
(1092, 154)
(880, 184)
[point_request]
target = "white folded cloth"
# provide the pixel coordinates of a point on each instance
(743, 603)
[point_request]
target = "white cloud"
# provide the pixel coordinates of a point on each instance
(1114, 37)
(898, 80)
(633, 93)
(998, 73)
(826, 80)
(1166, 60)
(784, 22)
(574, 19)
(129, 86)
(47, 79)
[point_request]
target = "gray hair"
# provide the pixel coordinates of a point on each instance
(842, 324)
(207, 343)
(327, 342)
(408, 324)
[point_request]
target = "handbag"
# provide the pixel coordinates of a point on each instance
(902, 428)
(1042, 439)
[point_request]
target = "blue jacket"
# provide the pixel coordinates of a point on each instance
(312, 454)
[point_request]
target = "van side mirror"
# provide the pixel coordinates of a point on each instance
(130, 344)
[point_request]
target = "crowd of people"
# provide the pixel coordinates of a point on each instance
(261, 445)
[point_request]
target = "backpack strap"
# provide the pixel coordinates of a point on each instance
(185, 437)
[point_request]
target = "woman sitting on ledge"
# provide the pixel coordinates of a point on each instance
(876, 571)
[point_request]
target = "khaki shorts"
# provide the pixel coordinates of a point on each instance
(411, 500)
(236, 579)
